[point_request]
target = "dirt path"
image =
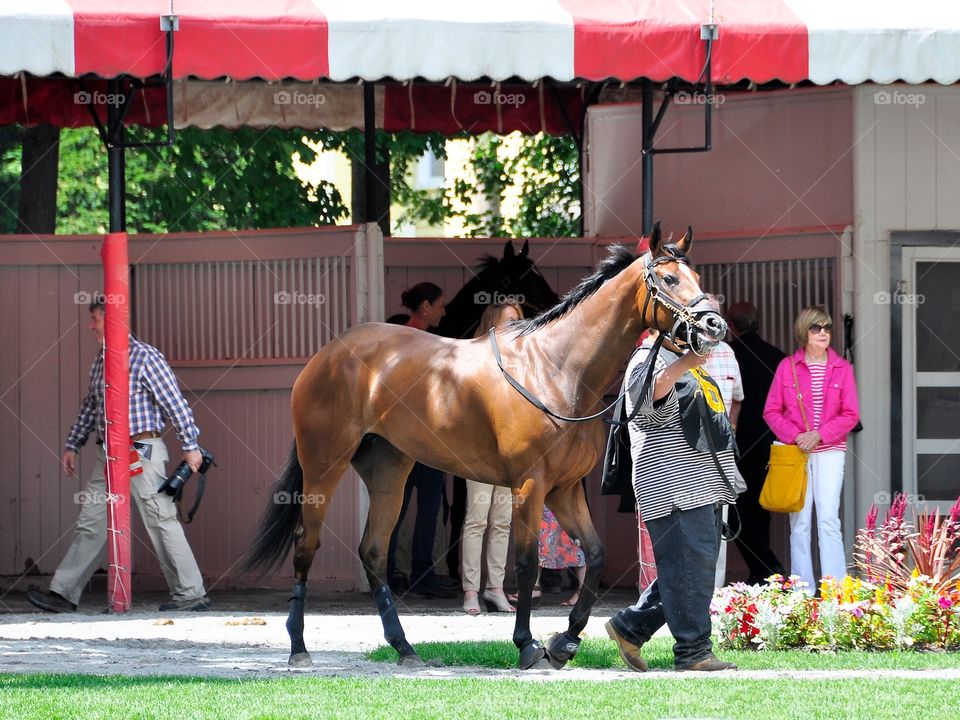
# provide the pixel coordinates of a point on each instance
(238, 643)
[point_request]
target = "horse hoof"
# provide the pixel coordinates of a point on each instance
(561, 650)
(300, 660)
(531, 655)
(410, 661)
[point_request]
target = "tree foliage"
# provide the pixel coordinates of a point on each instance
(222, 179)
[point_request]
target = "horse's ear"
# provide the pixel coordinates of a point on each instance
(655, 239)
(686, 241)
(508, 251)
(525, 250)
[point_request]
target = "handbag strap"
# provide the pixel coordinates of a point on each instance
(796, 384)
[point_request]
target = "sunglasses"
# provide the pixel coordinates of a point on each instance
(815, 328)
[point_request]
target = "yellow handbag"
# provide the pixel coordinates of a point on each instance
(785, 486)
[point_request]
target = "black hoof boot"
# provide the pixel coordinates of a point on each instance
(533, 657)
(561, 649)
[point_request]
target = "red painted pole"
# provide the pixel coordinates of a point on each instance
(116, 375)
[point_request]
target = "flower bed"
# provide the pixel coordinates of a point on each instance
(909, 597)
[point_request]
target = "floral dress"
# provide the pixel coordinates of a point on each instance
(557, 548)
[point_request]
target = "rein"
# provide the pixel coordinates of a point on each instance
(535, 401)
(659, 295)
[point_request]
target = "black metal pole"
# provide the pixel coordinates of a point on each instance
(116, 164)
(646, 120)
(369, 151)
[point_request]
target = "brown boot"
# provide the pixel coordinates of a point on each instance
(711, 663)
(628, 650)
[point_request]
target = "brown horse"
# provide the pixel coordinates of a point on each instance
(382, 396)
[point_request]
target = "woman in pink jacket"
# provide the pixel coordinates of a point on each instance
(830, 411)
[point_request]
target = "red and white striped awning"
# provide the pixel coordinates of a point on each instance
(852, 41)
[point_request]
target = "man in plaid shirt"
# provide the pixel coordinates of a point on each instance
(155, 398)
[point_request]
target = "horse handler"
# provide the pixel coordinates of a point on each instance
(679, 441)
(154, 397)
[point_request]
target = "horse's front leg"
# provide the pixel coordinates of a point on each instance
(570, 509)
(527, 512)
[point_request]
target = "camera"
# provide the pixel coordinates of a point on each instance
(173, 485)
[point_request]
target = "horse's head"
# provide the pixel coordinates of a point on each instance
(512, 278)
(516, 277)
(673, 301)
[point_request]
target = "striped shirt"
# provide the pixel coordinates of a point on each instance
(155, 398)
(668, 474)
(818, 372)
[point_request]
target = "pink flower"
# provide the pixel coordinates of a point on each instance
(945, 602)
(872, 517)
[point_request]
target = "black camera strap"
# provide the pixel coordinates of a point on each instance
(201, 486)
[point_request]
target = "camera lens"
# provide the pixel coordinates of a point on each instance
(175, 482)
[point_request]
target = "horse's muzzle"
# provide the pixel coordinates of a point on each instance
(706, 334)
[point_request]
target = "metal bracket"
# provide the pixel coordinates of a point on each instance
(169, 23)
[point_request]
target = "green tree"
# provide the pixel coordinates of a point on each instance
(210, 180)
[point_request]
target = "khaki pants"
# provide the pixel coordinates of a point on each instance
(491, 508)
(159, 513)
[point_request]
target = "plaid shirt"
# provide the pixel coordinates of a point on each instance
(722, 366)
(154, 398)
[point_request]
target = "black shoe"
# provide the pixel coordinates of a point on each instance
(434, 589)
(51, 602)
(447, 581)
(711, 663)
(200, 604)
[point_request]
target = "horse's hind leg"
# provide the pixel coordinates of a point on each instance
(570, 507)
(320, 479)
(384, 470)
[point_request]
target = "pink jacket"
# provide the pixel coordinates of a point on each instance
(841, 411)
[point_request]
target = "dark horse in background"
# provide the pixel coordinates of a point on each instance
(512, 277)
(384, 396)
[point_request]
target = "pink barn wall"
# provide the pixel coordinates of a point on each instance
(241, 402)
(780, 160)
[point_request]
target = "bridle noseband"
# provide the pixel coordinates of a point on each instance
(685, 316)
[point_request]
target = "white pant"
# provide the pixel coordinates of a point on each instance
(486, 506)
(824, 481)
(159, 513)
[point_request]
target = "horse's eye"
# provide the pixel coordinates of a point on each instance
(671, 280)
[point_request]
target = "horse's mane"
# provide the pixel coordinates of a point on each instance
(618, 258)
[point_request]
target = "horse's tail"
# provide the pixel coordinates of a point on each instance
(275, 534)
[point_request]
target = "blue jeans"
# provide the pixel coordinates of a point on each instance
(429, 485)
(685, 545)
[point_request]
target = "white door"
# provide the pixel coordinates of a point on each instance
(929, 299)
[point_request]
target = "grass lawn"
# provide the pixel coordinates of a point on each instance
(74, 696)
(602, 654)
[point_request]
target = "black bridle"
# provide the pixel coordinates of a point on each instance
(686, 316)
